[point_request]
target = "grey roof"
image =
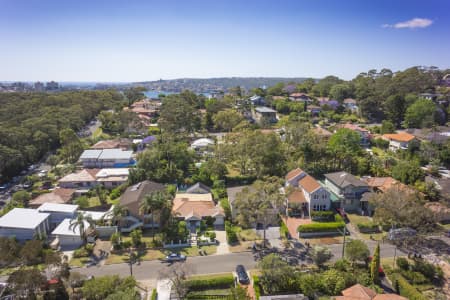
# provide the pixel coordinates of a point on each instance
(25, 218)
(344, 179)
(285, 297)
(115, 154)
(91, 154)
(263, 109)
(233, 191)
(137, 192)
(200, 185)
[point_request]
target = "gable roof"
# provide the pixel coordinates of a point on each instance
(344, 179)
(400, 137)
(106, 144)
(137, 192)
(309, 184)
(360, 292)
(234, 191)
(199, 185)
(385, 183)
(296, 196)
(294, 173)
(354, 127)
(85, 175)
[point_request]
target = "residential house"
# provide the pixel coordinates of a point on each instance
(112, 177)
(383, 184)
(300, 97)
(363, 133)
(233, 193)
(322, 132)
(264, 115)
(107, 158)
(84, 179)
(360, 292)
(438, 135)
(199, 188)
(68, 236)
(350, 103)
(313, 196)
(314, 109)
(58, 212)
(399, 140)
(145, 109)
(132, 198)
(203, 145)
(57, 196)
(257, 100)
(440, 211)
(324, 101)
(442, 184)
(285, 297)
(348, 189)
(193, 208)
(24, 224)
(124, 144)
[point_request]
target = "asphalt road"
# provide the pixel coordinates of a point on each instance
(150, 270)
(196, 265)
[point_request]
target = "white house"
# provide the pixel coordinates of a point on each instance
(58, 212)
(398, 141)
(67, 236)
(313, 196)
(106, 158)
(112, 177)
(24, 224)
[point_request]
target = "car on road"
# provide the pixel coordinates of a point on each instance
(447, 234)
(242, 275)
(173, 257)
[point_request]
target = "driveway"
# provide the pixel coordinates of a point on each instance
(272, 235)
(221, 237)
(163, 288)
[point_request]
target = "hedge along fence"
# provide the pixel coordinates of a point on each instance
(223, 282)
(321, 229)
(368, 227)
(323, 216)
(406, 289)
(256, 287)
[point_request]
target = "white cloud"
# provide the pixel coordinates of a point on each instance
(411, 24)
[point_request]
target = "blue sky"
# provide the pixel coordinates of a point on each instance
(146, 40)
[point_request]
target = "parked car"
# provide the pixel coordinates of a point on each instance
(242, 275)
(172, 257)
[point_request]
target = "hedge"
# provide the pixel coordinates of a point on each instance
(256, 287)
(368, 227)
(223, 282)
(284, 231)
(406, 289)
(231, 233)
(239, 180)
(154, 294)
(324, 216)
(321, 227)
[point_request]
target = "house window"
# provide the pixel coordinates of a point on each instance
(316, 196)
(324, 207)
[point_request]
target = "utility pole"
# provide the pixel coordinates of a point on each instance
(343, 244)
(131, 261)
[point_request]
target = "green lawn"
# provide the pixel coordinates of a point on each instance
(193, 251)
(9, 270)
(355, 219)
(147, 237)
(246, 234)
(97, 133)
(210, 276)
(79, 262)
(146, 255)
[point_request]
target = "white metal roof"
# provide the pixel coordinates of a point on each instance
(25, 218)
(203, 142)
(113, 172)
(91, 154)
(264, 109)
(96, 215)
(56, 207)
(64, 228)
(115, 154)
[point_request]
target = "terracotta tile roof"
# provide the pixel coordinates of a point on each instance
(349, 101)
(106, 144)
(385, 183)
(389, 297)
(354, 127)
(59, 195)
(322, 132)
(293, 173)
(400, 137)
(296, 196)
(85, 175)
(309, 184)
(198, 205)
(359, 292)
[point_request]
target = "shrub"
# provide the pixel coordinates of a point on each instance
(414, 277)
(321, 227)
(154, 294)
(81, 252)
(223, 282)
(402, 263)
(405, 289)
(284, 231)
(323, 216)
(367, 227)
(226, 208)
(136, 236)
(426, 269)
(231, 233)
(256, 287)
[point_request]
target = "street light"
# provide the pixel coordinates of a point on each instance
(132, 259)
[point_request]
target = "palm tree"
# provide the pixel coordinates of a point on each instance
(116, 215)
(80, 222)
(155, 201)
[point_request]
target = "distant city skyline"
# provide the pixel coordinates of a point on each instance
(117, 41)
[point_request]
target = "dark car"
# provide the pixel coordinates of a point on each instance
(447, 234)
(242, 275)
(173, 257)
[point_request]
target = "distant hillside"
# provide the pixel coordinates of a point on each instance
(223, 83)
